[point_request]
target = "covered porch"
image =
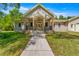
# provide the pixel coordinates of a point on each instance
(35, 23)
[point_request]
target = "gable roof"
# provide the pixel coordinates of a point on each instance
(69, 20)
(36, 7)
(46, 10)
(74, 18)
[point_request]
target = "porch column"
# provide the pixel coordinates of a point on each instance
(43, 23)
(23, 27)
(33, 23)
(52, 24)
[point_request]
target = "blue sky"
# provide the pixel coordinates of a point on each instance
(66, 9)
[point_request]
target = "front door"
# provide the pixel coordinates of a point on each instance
(38, 25)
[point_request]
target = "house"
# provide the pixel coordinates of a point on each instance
(40, 18)
(73, 24)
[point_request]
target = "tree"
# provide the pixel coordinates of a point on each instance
(61, 17)
(1, 19)
(15, 16)
(68, 17)
(4, 6)
(7, 24)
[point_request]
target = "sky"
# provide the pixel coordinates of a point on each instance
(65, 9)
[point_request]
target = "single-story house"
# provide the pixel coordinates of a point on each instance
(40, 18)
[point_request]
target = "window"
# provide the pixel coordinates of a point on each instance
(59, 24)
(26, 27)
(71, 25)
(19, 24)
(50, 27)
(46, 24)
(31, 24)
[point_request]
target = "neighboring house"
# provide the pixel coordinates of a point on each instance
(39, 18)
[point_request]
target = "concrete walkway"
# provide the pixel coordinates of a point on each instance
(38, 46)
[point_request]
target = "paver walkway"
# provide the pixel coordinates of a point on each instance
(40, 48)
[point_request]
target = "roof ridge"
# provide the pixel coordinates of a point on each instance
(73, 17)
(37, 6)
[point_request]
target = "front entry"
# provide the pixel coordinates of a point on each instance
(38, 24)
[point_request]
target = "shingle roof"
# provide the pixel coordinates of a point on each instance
(69, 20)
(60, 20)
(74, 18)
(46, 10)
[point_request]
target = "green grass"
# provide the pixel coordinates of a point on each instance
(12, 43)
(64, 43)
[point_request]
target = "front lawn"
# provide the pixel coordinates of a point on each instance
(12, 43)
(64, 43)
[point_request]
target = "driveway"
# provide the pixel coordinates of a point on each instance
(38, 46)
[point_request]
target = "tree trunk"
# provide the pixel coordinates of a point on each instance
(13, 25)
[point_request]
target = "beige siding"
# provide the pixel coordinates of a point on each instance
(74, 25)
(61, 28)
